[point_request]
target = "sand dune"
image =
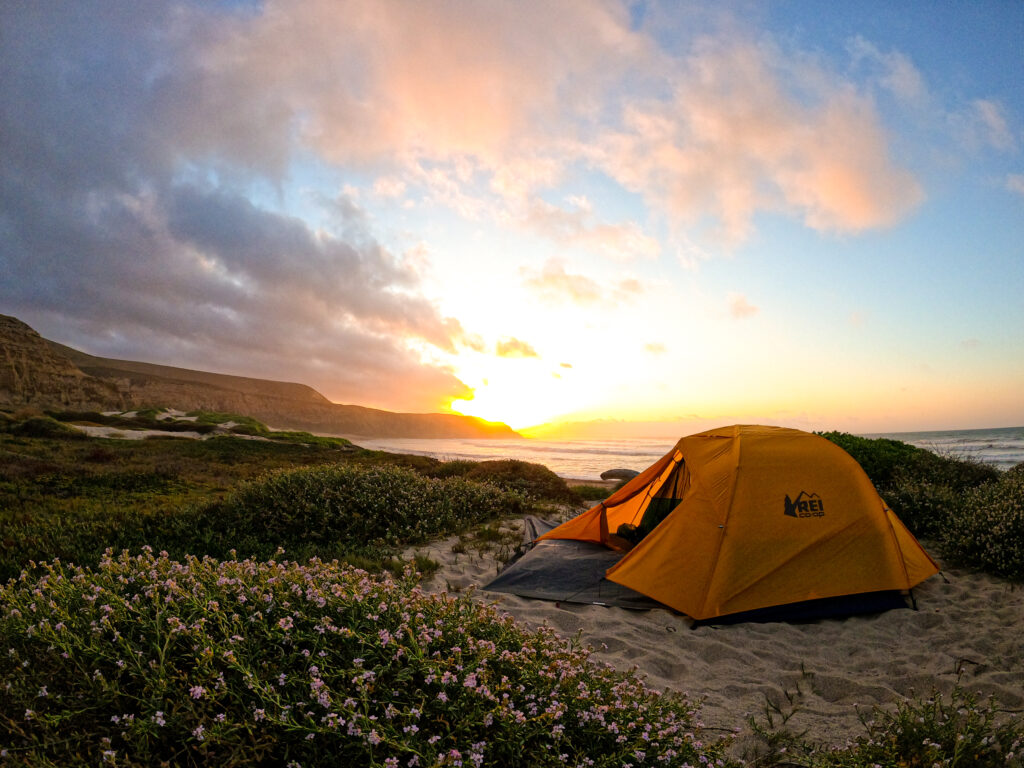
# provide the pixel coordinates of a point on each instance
(966, 624)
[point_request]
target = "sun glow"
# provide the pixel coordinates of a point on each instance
(520, 393)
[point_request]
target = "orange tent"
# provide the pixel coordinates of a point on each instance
(747, 517)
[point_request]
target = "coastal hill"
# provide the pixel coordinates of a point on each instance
(45, 374)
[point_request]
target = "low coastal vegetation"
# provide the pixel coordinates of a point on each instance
(219, 649)
(937, 731)
(149, 661)
(68, 497)
(336, 511)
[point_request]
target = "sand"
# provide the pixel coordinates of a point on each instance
(968, 625)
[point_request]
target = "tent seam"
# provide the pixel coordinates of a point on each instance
(725, 520)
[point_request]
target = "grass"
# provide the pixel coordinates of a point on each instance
(937, 731)
(592, 492)
(501, 541)
(72, 498)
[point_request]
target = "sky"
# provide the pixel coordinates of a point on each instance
(624, 218)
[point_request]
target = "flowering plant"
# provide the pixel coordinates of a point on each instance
(149, 660)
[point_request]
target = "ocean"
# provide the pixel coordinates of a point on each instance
(587, 459)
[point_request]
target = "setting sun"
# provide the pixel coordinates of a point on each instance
(518, 392)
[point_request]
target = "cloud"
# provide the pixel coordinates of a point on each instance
(389, 187)
(126, 227)
(554, 284)
(513, 347)
(991, 119)
(148, 150)
(716, 132)
(576, 227)
(740, 308)
(894, 70)
(1015, 183)
(982, 124)
(378, 81)
(749, 129)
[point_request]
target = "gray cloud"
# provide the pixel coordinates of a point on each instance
(112, 240)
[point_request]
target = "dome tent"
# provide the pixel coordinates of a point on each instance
(755, 522)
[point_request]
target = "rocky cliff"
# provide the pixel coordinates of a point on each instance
(34, 371)
(31, 373)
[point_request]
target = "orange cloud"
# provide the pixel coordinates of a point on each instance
(628, 288)
(513, 347)
(747, 130)
(576, 227)
(455, 98)
(739, 307)
(553, 283)
(379, 80)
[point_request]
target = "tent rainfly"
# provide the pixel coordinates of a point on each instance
(744, 519)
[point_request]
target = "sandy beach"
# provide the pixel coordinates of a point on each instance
(967, 625)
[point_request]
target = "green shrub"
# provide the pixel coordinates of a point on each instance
(958, 473)
(922, 488)
(213, 418)
(150, 661)
(987, 530)
(592, 492)
(345, 508)
(534, 480)
(453, 468)
(74, 498)
(925, 507)
(958, 733)
(144, 419)
(424, 465)
(937, 732)
(302, 438)
(879, 457)
(885, 460)
(47, 427)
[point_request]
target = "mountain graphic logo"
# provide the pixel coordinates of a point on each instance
(805, 505)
